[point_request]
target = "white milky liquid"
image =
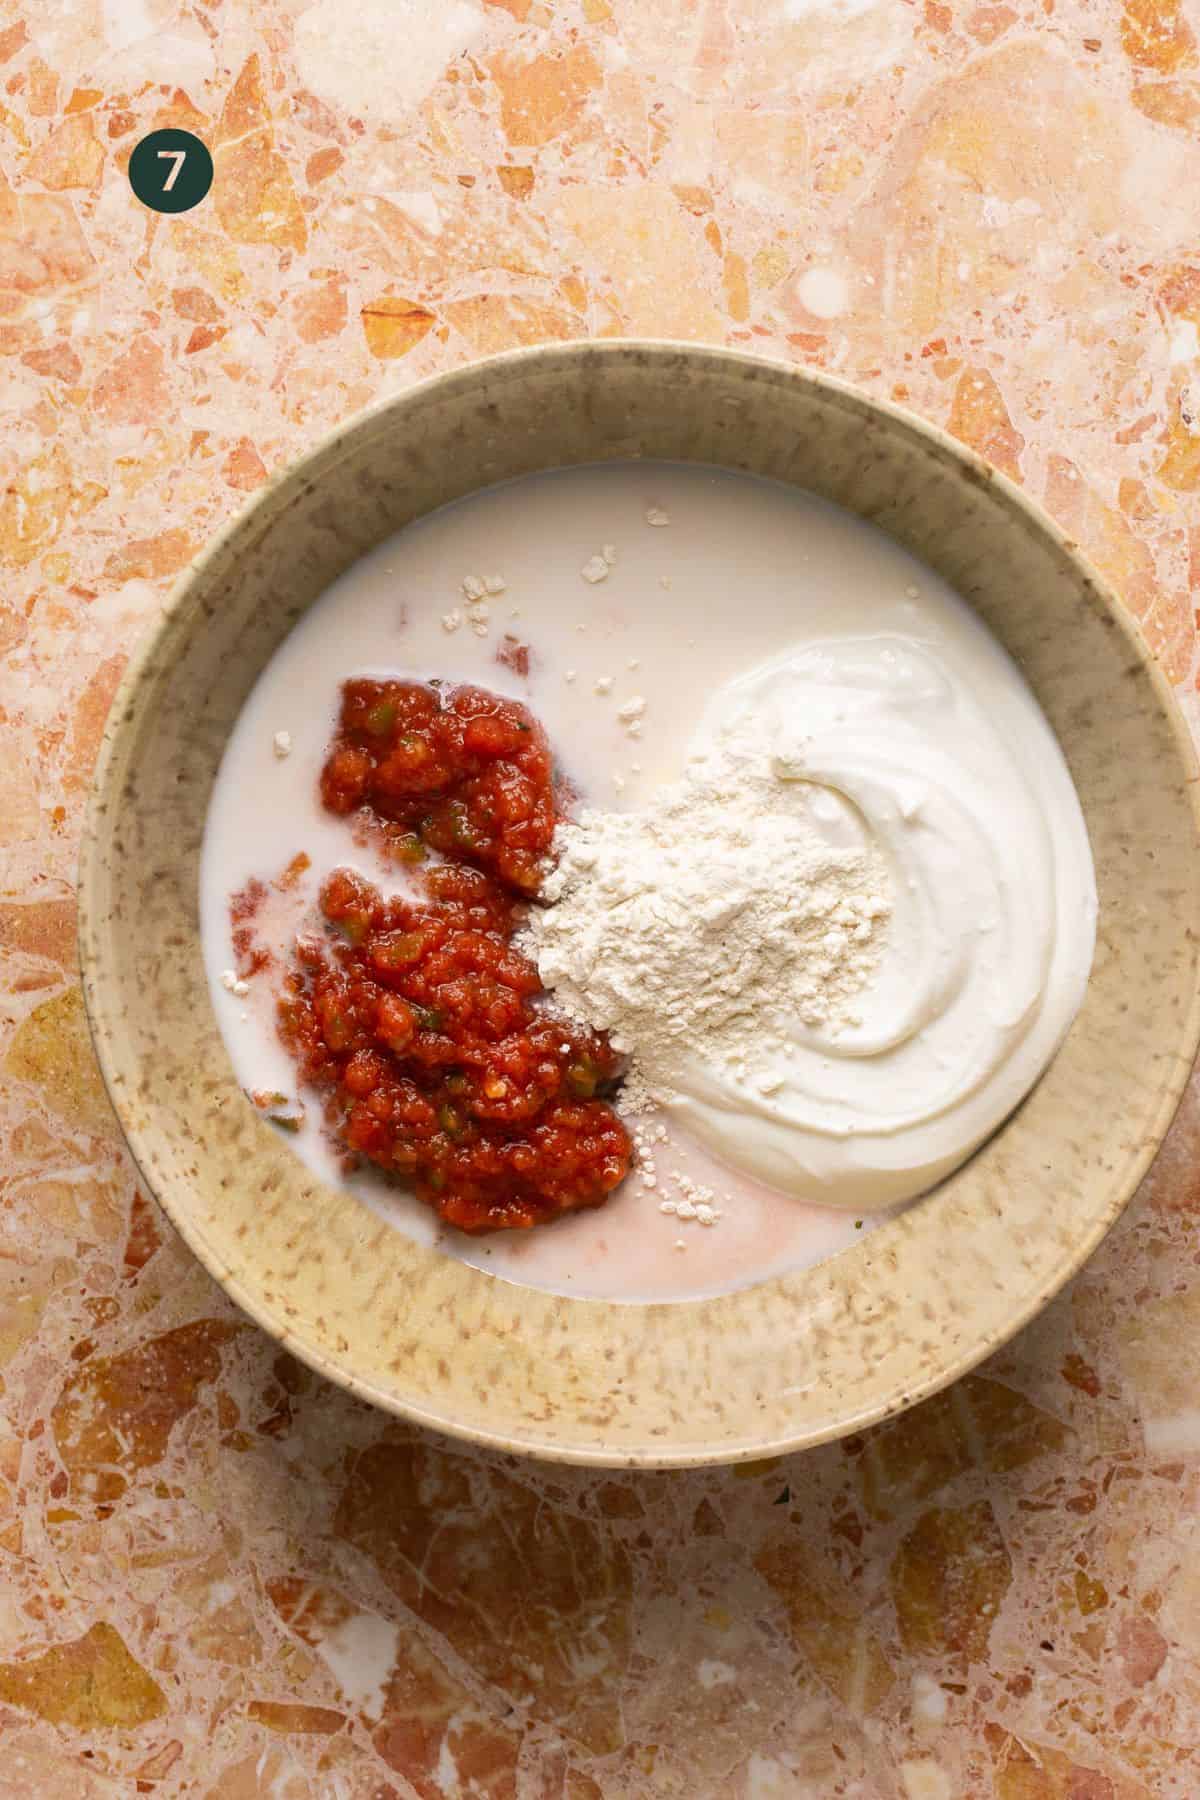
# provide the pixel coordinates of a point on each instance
(745, 571)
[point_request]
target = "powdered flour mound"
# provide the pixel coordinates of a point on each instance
(703, 927)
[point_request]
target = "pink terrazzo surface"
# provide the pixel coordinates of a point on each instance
(219, 1576)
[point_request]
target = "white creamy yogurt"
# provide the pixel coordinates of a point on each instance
(945, 757)
(758, 610)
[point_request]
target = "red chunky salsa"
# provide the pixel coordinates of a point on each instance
(463, 771)
(416, 1016)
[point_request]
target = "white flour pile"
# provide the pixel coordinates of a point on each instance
(712, 925)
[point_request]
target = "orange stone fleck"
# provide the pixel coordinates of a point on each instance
(313, 1613)
(1091, 1596)
(979, 418)
(144, 1238)
(320, 311)
(573, 292)
(88, 718)
(252, 183)
(1124, 556)
(135, 388)
(1080, 1374)
(34, 506)
(542, 98)
(244, 468)
(1142, 1649)
(1179, 292)
(26, 1289)
(12, 122)
(322, 164)
(56, 360)
(115, 1416)
(493, 322)
(1102, 532)
(948, 1579)
(394, 326)
(987, 23)
(161, 1763)
(203, 337)
(71, 157)
(516, 180)
(43, 88)
(150, 558)
(196, 304)
(13, 628)
(91, 1684)
(1172, 103)
(39, 928)
(181, 113)
(737, 288)
(52, 1051)
(1179, 467)
(289, 1716)
(1155, 35)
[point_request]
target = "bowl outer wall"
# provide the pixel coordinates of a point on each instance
(796, 1360)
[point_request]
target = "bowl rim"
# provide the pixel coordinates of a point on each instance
(508, 363)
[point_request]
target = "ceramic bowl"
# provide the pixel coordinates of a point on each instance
(797, 1359)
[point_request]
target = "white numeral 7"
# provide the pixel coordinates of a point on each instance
(177, 157)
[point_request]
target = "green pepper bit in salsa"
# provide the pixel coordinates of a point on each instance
(462, 770)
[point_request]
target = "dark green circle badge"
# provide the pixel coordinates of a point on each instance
(170, 171)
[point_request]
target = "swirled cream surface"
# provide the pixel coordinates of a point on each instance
(923, 751)
(669, 610)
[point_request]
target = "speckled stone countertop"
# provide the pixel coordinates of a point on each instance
(222, 1577)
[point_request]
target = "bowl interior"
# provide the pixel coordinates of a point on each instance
(798, 1358)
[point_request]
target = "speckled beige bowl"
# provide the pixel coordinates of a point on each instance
(797, 1359)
